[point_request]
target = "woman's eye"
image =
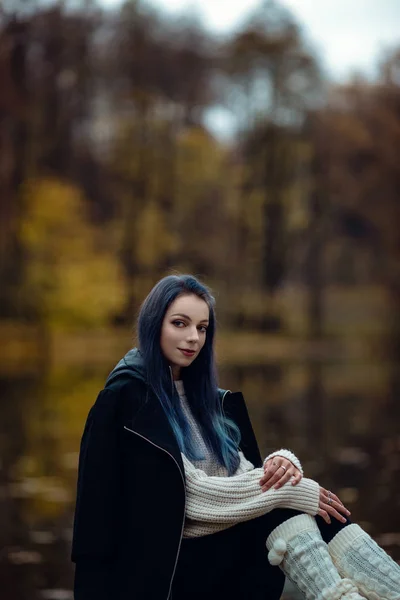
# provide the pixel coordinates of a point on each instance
(178, 323)
(203, 328)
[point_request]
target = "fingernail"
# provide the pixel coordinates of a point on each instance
(277, 486)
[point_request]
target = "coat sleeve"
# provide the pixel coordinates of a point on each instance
(96, 511)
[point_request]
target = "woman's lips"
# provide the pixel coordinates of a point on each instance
(187, 352)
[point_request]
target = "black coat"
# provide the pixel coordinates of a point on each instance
(131, 494)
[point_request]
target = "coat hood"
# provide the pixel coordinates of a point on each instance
(132, 364)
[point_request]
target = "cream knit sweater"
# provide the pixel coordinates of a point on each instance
(215, 501)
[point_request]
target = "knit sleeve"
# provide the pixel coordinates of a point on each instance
(230, 500)
(244, 464)
(288, 454)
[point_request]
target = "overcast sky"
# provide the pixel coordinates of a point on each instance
(348, 34)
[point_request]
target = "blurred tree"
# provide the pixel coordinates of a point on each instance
(362, 175)
(203, 212)
(15, 98)
(46, 78)
(358, 142)
(277, 78)
(71, 279)
(163, 84)
(61, 83)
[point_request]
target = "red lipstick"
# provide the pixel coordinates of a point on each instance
(187, 352)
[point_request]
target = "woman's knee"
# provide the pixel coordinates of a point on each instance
(329, 530)
(265, 524)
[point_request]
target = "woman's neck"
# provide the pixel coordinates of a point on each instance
(176, 373)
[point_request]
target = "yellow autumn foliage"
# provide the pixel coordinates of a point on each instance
(154, 239)
(200, 163)
(70, 277)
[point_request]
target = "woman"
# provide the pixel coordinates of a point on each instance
(173, 499)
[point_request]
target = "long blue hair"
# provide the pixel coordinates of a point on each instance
(220, 434)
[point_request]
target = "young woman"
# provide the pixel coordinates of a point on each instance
(173, 499)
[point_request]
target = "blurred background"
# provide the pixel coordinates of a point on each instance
(255, 144)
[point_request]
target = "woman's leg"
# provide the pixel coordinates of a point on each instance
(203, 565)
(360, 559)
(276, 517)
(296, 545)
(219, 567)
(329, 530)
(267, 582)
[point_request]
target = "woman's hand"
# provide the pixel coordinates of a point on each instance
(329, 504)
(277, 472)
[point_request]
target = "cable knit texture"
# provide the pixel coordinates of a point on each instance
(358, 557)
(296, 545)
(215, 501)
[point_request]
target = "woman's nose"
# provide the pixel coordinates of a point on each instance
(193, 334)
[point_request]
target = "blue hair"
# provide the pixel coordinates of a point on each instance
(221, 435)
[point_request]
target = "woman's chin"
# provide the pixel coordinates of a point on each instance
(185, 361)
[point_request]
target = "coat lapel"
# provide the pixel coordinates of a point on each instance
(151, 423)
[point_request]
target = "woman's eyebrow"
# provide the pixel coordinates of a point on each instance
(188, 318)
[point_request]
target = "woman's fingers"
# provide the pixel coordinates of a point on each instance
(322, 513)
(297, 477)
(278, 472)
(331, 498)
(329, 507)
(272, 473)
(292, 474)
(332, 511)
(284, 478)
(270, 469)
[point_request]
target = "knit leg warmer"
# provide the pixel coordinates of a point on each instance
(297, 547)
(359, 558)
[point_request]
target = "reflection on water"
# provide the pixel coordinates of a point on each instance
(342, 419)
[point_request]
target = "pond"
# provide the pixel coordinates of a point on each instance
(341, 418)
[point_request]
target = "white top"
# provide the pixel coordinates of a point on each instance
(215, 501)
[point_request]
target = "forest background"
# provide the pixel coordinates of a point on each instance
(110, 179)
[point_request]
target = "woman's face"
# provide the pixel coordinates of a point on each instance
(183, 332)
